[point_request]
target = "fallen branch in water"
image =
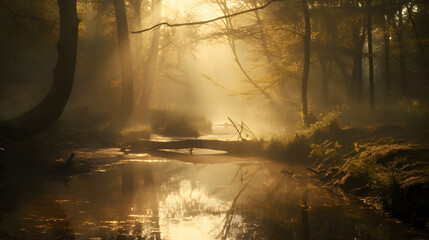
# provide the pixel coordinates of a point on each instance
(243, 128)
(238, 131)
(205, 21)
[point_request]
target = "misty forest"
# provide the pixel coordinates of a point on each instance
(214, 119)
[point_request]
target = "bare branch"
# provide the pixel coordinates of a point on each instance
(17, 15)
(206, 21)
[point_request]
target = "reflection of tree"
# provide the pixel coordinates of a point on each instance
(304, 215)
(231, 212)
(126, 199)
(128, 191)
(139, 198)
(148, 197)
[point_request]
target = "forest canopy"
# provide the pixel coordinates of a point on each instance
(289, 61)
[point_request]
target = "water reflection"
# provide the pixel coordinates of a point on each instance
(168, 199)
(19, 219)
(189, 212)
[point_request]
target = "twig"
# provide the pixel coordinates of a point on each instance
(238, 131)
(68, 163)
(251, 132)
(205, 21)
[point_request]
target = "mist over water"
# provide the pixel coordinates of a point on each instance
(214, 119)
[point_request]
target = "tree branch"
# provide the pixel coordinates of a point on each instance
(206, 21)
(17, 15)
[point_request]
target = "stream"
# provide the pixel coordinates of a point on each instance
(206, 195)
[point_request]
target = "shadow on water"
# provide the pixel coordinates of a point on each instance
(27, 211)
(170, 199)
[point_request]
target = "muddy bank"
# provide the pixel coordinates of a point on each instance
(52, 155)
(386, 166)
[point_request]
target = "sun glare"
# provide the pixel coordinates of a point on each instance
(182, 9)
(177, 219)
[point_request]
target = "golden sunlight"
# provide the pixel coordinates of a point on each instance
(214, 119)
(183, 9)
(177, 219)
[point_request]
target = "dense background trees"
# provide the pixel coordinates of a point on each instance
(355, 58)
(359, 52)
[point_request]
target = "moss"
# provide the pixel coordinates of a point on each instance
(383, 155)
(394, 173)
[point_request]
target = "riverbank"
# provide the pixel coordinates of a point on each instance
(387, 166)
(152, 198)
(51, 155)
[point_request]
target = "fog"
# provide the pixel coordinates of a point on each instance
(214, 119)
(192, 76)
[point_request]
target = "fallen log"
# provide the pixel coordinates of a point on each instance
(232, 147)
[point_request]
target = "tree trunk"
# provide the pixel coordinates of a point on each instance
(152, 62)
(358, 42)
(371, 62)
(420, 43)
(126, 63)
(138, 19)
(326, 70)
(51, 107)
(357, 92)
(388, 88)
(357, 66)
(402, 68)
(306, 70)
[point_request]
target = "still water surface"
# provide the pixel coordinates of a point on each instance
(142, 196)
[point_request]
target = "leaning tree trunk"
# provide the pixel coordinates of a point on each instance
(306, 70)
(126, 63)
(51, 107)
(371, 62)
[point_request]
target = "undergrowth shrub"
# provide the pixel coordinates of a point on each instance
(294, 150)
(327, 150)
(171, 123)
(297, 149)
(141, 131)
